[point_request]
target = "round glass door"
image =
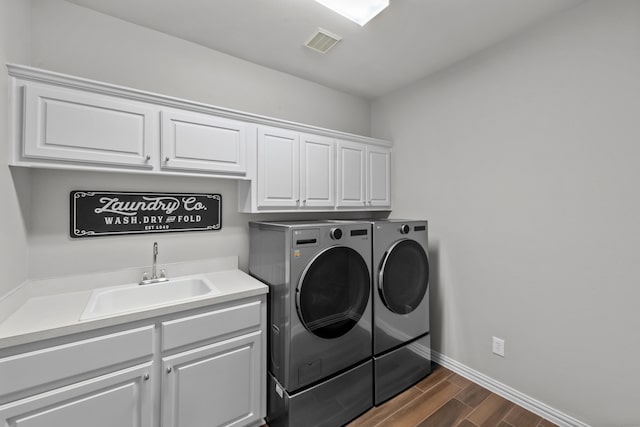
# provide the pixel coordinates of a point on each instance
(404, 276)
(333, 292)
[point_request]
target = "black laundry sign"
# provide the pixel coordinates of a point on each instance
(107, 213)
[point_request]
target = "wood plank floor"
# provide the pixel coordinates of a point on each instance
(445, 399)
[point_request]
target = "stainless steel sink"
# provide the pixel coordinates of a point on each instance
(134, 297)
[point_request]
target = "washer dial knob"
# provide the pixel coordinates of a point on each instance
(335, 233)
(404, 229)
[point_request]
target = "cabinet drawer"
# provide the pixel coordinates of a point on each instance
(27, 370)
(187, 330)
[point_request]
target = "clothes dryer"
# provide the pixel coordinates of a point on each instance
(319, 316)
(401, 339)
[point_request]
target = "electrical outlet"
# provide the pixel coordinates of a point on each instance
(498, 346)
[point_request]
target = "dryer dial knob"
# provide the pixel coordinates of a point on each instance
(335, 233)
(404, 229)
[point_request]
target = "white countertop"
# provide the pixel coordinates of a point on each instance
(51, 308)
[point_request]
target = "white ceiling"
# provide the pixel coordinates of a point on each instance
(406, 42)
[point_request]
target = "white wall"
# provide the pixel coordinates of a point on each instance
(525, 159)
(14, 47)
(74, 40)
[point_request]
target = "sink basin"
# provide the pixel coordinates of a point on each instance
(133, 297)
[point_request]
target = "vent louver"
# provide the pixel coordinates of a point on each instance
(322, 40)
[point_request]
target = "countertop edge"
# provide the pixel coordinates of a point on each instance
(32, 321)
(91, 325)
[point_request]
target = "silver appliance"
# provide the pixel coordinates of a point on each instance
(401, 339)
(319, 316)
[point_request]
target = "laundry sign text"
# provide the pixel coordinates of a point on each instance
(104, 213)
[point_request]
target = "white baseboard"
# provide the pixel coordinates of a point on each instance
(521, 399)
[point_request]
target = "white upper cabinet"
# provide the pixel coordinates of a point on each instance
(364, 176)
(294, 170)
(352, 165)
(69, 125)
(299, 171)
(278, 168)
(66, 122)
(378, 176)
(317, 171)
(203, 142)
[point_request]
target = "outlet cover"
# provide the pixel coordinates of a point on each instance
(498, 346)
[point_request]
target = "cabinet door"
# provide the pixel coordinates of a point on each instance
(378, 176)
(71, 125)
(216, 385)
(317, 171)
(202, 142)
(121, 399)
(351, 174)
(278, 168)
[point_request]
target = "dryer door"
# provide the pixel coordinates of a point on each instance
(404, 276)
(333, 292)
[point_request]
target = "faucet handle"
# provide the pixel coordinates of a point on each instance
(163, 273)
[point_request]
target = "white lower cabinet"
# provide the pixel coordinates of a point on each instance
(100, 381)
(121, 398)
(215, 385)
(204, 367)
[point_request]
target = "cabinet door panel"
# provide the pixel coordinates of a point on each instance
(351, 174)
(379, 180)
(201, 142)
(278, 168)
(65, 124)
(317, 171)
(120, 399)
(215, 385)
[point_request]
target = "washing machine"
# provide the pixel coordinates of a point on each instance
(401, 339)
(320, 368)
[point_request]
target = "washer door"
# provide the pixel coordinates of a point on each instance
(333, 292)
(404, 276)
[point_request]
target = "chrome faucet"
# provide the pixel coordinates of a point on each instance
(146, 280)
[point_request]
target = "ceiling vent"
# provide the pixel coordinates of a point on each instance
(322, 40)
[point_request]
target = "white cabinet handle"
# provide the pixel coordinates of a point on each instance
(166, 159)
(147, 158)
(169, 369)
